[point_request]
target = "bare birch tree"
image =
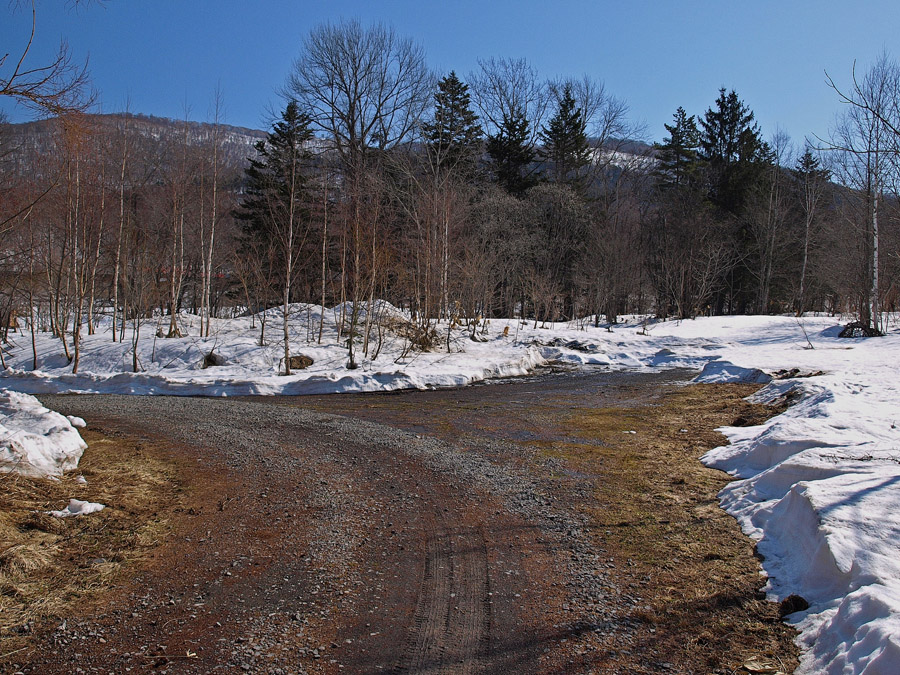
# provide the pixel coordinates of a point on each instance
(867, 140)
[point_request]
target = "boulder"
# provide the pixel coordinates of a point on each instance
(212, 359)
(299, 362)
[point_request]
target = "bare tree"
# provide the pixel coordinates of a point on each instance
(687, 253)
(208, 250)
(611, 248)
(365, 89)
(253, 265)
(60, 88)
(560, 221)
(503, 88)
(88, 207)
(867, 141)
(436, 202)
(119, 239)
(499, 234)
(178, 184)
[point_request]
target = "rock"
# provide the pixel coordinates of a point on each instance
(792, 603)
(299, 362)
(212, 360)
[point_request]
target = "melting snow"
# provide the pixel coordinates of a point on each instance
(77, 507)
(35, 441)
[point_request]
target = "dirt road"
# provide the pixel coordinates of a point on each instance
(426, 532)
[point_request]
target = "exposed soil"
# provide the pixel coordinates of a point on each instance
(518, 528)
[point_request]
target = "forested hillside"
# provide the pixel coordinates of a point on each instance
(501, 195)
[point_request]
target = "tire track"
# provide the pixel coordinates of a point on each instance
(450, 631)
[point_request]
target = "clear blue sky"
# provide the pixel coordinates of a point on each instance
(163, 54)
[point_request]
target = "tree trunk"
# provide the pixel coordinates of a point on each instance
(118, 260)
(324, 252)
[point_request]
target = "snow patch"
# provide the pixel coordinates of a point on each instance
(724, 372)
(35, 441)
(77, 507)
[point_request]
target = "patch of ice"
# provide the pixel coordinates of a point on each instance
(724, 371)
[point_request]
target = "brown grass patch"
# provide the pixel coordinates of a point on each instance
(48, 565)
(656, 513)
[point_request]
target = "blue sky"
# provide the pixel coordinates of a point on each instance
(164, 55)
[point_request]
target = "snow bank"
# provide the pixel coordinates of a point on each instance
(859, 636)
(818, 486)
(35, 441)
(176, 366)
(820, 492)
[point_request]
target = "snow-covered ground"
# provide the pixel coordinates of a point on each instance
(819, 485)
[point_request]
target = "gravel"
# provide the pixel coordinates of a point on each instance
(261, 437)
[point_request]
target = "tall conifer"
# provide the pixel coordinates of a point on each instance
(733, 150)
(678, 154)
(275, 179)
(565, 141)
(454, 135)
(274, 208)
(511, 154)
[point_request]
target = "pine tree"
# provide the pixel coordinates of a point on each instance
(274, 208)
(678, 154)
(734, 153)
(454, 135)
(511, 154)
(565, 141)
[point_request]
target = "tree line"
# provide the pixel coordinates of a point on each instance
(497, 195)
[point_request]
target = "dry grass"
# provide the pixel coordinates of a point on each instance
(656, 512)
(49, 565)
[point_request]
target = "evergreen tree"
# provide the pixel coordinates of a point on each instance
(454, 135)
(274, 208)
(275, 180)
(565, 141)
(511, 154)
(678, 154)
(734, 153)
(809, 169)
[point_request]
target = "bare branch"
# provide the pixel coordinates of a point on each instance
(505, 88)
(55, 89)
(364, 87)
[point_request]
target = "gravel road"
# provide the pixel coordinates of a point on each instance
(417, 532)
